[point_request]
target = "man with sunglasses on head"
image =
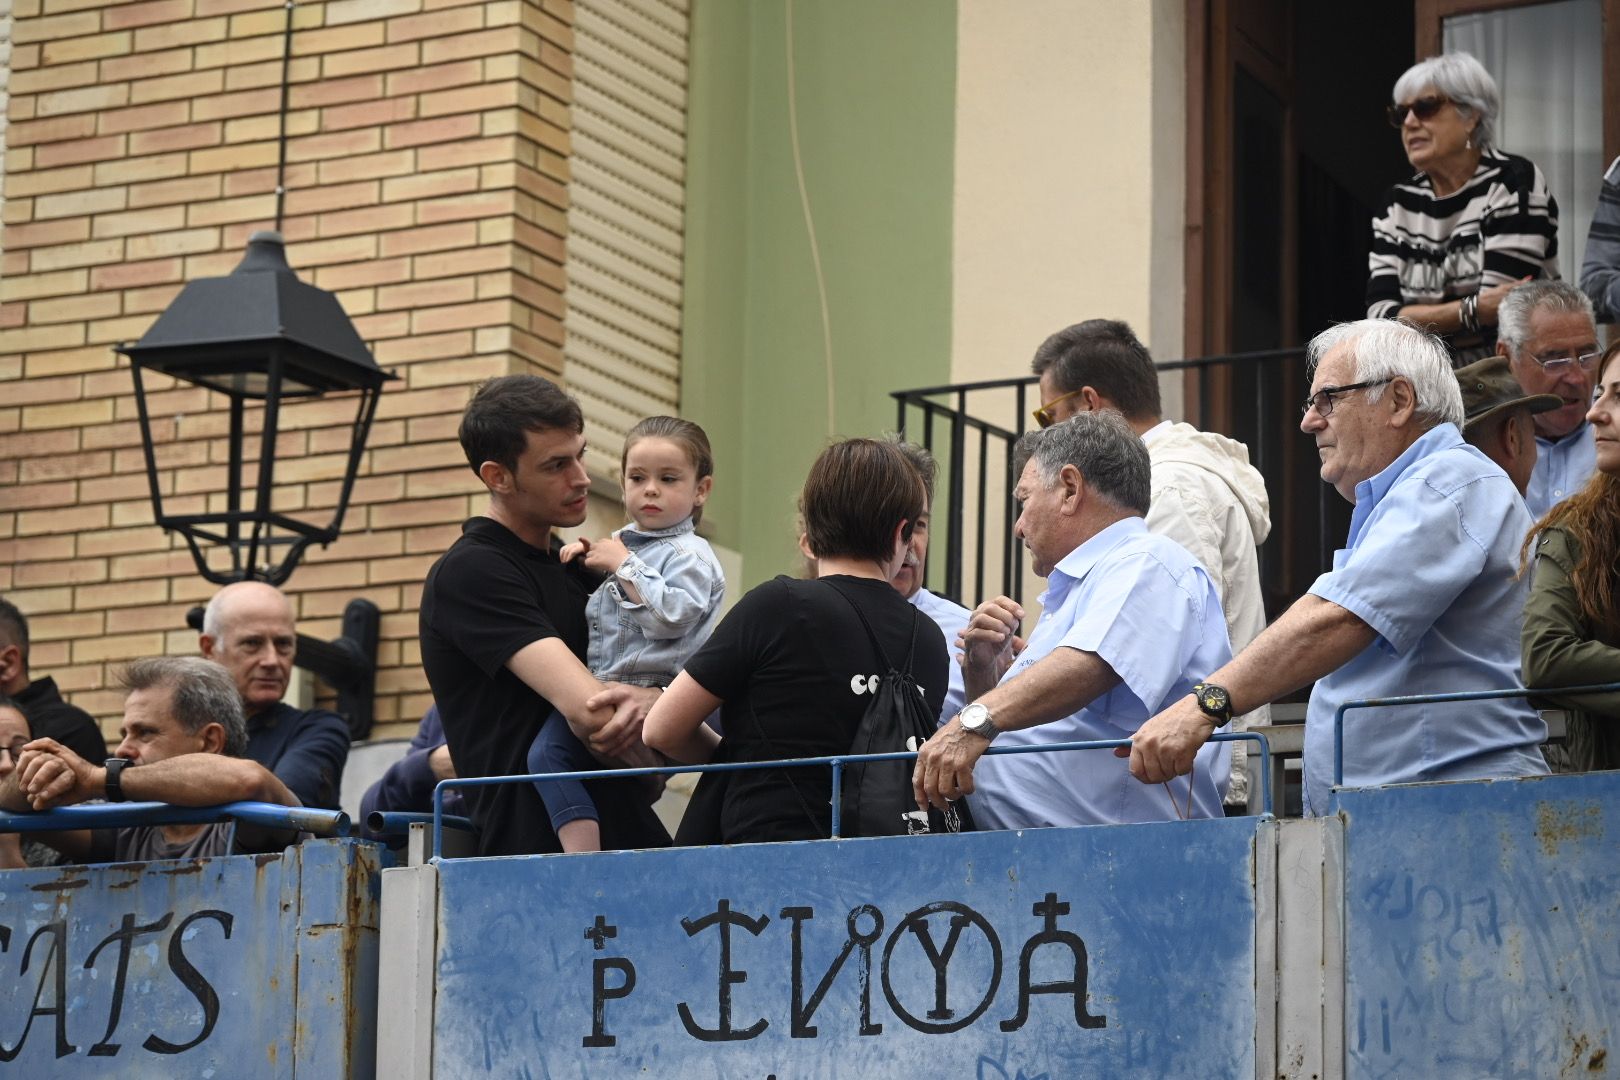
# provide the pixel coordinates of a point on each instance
(1549, 336)
(1205, 494)
(1424, 598)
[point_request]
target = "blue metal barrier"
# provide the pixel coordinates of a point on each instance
(124, 815)
(835, 762)
(253, 967)
(1431, 699)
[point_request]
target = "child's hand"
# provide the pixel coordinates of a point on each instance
(570, 552)
(605, 555)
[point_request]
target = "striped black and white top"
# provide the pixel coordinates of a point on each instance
(1501, 226)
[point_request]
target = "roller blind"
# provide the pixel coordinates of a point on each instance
(626, 217)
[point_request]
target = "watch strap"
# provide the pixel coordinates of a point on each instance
(114, 783)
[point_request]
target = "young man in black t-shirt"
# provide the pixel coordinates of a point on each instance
(503, 625)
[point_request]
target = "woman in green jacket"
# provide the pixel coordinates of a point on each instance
(1572, 618)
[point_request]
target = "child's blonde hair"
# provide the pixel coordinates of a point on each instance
(690, 437)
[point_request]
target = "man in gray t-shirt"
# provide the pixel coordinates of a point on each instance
(182, 736)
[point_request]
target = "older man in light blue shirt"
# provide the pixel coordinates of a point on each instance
(1130, 621)
(1424, 599)
(1547, 331)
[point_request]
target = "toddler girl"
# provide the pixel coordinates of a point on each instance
(660, 601)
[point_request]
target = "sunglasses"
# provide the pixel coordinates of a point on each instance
(1044, 415)
(1423, 108)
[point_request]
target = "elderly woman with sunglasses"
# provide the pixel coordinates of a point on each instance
(1472, 223)
(1572, 618)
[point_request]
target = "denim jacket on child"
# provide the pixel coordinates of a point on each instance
(681, 588)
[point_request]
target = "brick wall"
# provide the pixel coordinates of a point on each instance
(427, 163)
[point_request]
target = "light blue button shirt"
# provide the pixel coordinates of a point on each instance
(1562, 468)
(681, 588)
(1146, 607)
(951, 618)
(1431, 566)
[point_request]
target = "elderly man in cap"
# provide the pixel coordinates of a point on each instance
(1497, 416)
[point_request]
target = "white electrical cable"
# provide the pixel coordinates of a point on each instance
(809, 224)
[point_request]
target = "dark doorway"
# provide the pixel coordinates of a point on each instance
(1292, 157)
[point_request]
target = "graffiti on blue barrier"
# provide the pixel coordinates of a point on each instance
(50, 961)
(951, 1006)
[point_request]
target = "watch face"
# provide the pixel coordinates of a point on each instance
(1213, 699)
(976, 718)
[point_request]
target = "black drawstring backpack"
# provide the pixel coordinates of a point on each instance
(877, 798)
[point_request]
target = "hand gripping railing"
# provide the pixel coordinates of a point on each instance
(1433, 699)
(837, 763)
(124, 815)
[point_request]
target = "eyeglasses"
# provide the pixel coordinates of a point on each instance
(1558, 362)
(14, 748)
(1322, 400)
(1044, 415)
(1423, 108)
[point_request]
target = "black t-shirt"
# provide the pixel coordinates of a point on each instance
(49, 717)
(489, 596)
(787, 661)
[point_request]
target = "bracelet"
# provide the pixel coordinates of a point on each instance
(1468, 312)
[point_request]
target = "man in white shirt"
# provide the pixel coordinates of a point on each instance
(1205, 494)
(949, 616)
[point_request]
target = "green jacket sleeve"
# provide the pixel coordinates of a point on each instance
(1558, 647)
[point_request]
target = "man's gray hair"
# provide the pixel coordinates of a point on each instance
(1112, 457)
(1385, 348)
(921, 460)
(1522, 301)
(203, 694)
(1463, 81)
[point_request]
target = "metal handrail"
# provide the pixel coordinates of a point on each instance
(1434, 699)
(972, 435)
(399, 822)
(835, 761)
(124, 815)
(1188, 364)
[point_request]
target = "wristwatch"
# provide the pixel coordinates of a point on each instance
(115, 786)
(976, 718)
(1214, 702)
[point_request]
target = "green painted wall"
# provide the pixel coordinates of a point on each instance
(875, 90)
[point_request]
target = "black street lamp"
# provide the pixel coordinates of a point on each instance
(260, 335)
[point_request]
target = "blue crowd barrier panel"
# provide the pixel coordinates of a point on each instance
(240, 967)
(1124, 951)
(1482, 928)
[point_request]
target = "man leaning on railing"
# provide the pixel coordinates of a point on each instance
(182, 737)
(1425, 596)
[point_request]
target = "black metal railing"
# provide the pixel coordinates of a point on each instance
(1253, 397)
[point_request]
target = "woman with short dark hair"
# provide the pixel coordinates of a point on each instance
(1471, 224)
(791, 666)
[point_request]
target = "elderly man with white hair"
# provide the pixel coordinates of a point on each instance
(1425, 596)
(248, 630)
